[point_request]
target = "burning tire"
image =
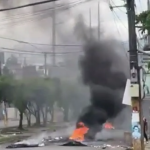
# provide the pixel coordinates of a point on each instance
(108, 126)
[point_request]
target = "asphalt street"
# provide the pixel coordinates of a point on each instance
(107, 136)
(61, 148)
(56, 148)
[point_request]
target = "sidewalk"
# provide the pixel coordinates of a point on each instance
(11, 123)
(147, 146)
(15, 123)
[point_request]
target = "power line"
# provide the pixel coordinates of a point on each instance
(120, 36)
(44, 15)
(57, 45)
(119, 19)
(38, 52)
(27, 5)
(139, 34)
(33, 44)
(72, 4)
(29, 13)
(115, 6)
(14, 52)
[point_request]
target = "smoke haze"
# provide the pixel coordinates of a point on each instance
(104, 65)
(104, 70)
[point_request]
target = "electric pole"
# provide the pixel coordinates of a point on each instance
(0, 68)
(45, 64)
(53, 35)
(45, 74)
(98, 21)
(148, 7)
(90, 23)
(138, 143)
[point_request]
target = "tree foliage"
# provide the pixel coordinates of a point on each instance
(144, 19)
(11, 61)
(38, 96)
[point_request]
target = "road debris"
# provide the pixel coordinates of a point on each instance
(61, 141)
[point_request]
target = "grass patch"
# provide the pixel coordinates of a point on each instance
(11, 139)
(12, 130)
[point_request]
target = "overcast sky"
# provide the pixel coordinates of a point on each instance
(24, 28)
(23, 24)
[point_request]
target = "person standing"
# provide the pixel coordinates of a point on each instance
(145, 126)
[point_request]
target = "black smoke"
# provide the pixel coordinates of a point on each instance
(106, 84)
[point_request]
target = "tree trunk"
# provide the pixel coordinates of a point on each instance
(44, 122)
(28, 116)
(66, 113)
(29, 120)
(38, 117)
(52, 114)
(20, 121)
(45, 117)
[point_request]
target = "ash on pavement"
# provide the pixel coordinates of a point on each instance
(105, 139)
(63, 148)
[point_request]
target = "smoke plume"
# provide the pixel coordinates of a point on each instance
(105, 72)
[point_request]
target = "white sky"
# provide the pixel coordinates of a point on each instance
(20, 24)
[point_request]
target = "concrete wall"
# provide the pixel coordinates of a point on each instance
(13, 114)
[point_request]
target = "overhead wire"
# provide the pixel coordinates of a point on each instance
(115, 23)
(38, 52)
(58, 7)
(120, 20)
(141, 5)
(33, 44)
(139, 37)
(30, 43)
(42, 16)
(27, 5)
(29, 13)
(117, 7)
(75, 4)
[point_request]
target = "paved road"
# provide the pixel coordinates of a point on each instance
(55, 147)
(11, 123)
(104, 135)
(62, 148)
(15, 123)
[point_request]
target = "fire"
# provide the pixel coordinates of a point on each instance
(108, 126)
(79, 133)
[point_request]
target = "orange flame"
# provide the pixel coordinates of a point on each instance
(108, 126)
(79, 132)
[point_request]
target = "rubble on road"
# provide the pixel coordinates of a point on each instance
(61, 141)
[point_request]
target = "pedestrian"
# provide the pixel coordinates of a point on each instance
(145, 129)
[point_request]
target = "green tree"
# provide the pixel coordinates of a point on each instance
(7, 73)
(35, 101)
(6, 88)
(37, 96)
(11, 61)
(55, 96)
(20, 99)
(43, 95)
(144, 19)
(73, 98)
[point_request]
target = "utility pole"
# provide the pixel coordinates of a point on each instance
(45, 69)
(45, 64)
(98, 20)
(90, 23)
(53, 35)
(138, 143)
(148, 7)
(0, 68)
